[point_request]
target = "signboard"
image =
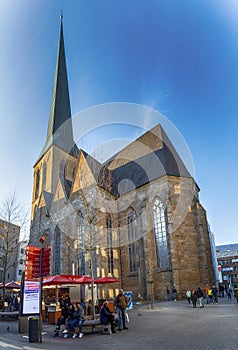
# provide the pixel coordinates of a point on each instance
(32, 267)
(31, 298)
(219, 273)
(130, 304)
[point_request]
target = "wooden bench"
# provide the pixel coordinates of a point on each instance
(9, 314)
(93, 324)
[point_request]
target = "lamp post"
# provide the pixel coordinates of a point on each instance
(41, 240)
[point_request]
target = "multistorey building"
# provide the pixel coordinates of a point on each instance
(9, 241)
(21, 259)
(136, 217)
(227, 258)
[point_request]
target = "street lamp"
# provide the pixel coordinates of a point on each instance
(41, 240)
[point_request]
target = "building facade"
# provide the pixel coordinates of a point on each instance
(136, 217)
(21, 259)
(227, 259)
(9, 241)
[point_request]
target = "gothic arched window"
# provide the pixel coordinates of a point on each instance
(57, 250)
(37, 183)
(160, 232)
(44, 176)
(132, 244)
(81, 251)
(109, 245)
(62, 170)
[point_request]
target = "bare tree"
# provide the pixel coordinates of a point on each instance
(13, 219)
(95, 233)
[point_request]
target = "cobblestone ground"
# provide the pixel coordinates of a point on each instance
(171, 325)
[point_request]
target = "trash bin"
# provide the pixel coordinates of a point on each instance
(33, 329)
(51, 314)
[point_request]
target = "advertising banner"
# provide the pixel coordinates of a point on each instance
(31, 298)
(130, 304)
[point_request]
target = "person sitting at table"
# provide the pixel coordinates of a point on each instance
(61, 320)
(106, 316)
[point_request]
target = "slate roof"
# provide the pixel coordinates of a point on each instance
(148, 158)
(227, 247)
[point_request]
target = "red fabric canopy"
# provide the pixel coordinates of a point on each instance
(84, 280)
(104, 280)
(60, 279)
(11, 285)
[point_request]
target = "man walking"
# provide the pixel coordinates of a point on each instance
(121, 302)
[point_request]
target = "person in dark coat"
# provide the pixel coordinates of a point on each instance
(61, 320)
(194, 297)
(106, 316)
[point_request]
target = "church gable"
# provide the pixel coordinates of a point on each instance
(48, 197)
(59, 192)
(86, 172)
(41, 202)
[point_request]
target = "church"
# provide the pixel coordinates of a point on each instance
(136, 217)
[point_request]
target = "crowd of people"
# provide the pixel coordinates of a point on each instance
(209, 295)
(74, 315)
(10, 303)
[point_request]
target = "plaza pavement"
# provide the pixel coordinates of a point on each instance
(170, 325)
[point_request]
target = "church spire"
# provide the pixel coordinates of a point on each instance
(60, 131)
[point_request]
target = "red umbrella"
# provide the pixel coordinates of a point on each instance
(84, 280)
(60, 279)
(104, 280)
(10, 285)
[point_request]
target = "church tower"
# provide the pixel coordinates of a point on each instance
(58, 158)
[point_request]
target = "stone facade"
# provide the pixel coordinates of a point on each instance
(57, 215)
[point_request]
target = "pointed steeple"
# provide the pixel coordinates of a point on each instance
(60, 131)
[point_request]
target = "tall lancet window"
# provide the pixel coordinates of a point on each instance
(57, 247)
(109, 245)
(81, 251)
(160, 231)
(44, 177)
(132, 244)
(37, 183)
(62, 170)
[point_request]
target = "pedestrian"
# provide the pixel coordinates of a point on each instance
(168, 294)
(174, 293)
(121, 302)
(200, 297)
(194, 298)
(106, 316)
(210, 295)
(83, 304)
(188, 295)
(214, 293)
(89, 308)
(206, 292)
(229, 291)
(236, 294)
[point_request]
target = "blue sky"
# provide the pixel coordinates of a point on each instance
(178, 57)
